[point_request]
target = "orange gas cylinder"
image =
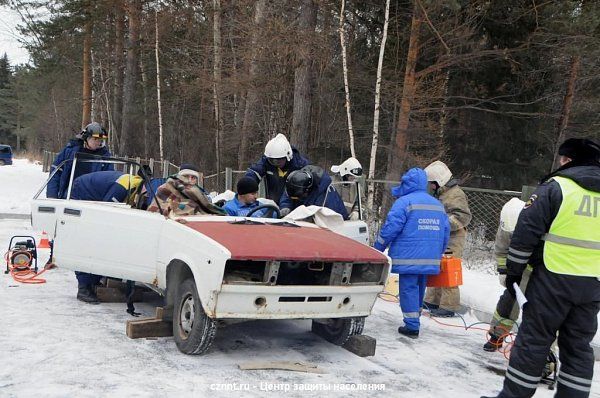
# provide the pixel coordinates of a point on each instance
(450, 273)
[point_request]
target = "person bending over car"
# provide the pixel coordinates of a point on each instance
(278, 161)
(311, 185)
(245, 199)
(102, 186)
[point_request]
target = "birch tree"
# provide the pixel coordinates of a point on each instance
(86, 95)
(158, 98)
(372, 161)
(217, 84)
(345, 71)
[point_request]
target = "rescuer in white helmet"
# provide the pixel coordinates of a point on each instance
(445, 301)
(347, 185)
(278, 161)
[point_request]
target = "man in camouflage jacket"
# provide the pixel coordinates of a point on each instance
(445, 301)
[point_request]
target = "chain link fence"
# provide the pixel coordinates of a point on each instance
(485, 205)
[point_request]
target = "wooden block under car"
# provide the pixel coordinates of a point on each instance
(116, 295)
(361, 345)
(149, 327)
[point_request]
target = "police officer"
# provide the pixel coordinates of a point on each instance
(558, 234)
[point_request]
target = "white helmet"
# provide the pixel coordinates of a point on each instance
(350, 166)
(279, 147)
(510, 214)
(438, 172)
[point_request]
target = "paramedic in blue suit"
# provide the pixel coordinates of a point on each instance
(416, 231)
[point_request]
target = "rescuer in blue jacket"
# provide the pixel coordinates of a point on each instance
(416, 230)
(101, 186)
(278, 161)
(91, 141)
(105, 186)
(311, 185)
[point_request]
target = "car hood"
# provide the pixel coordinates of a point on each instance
(286, 243)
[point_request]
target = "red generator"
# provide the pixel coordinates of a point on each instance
(450, 273)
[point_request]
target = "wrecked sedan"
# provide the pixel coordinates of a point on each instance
(213, 268)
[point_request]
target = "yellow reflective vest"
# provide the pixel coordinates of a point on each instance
(572, 244)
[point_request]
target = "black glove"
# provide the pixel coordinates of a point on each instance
(510, 279)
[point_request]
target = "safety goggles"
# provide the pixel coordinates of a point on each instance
(101, 136)
(356, 172)
(276, 161)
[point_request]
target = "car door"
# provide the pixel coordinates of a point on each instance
(109, 239)
(44, 214)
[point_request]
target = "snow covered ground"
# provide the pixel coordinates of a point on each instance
(52, 345)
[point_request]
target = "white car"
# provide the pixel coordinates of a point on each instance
(220, 267)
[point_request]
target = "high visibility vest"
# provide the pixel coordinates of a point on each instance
(573, 242)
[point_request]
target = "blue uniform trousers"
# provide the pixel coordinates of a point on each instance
(412, 290)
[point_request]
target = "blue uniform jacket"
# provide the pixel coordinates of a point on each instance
(59, 184)
(323, 195)
(274, 177)
(233, 207)
(416, 228)
(103, 186)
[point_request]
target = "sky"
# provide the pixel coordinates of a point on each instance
(9, 36)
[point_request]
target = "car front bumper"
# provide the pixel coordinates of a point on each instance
(295, 302)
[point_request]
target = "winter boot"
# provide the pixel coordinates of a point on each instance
(493, 344)
(430, 306)
(86, 294)
(442, 313)
(413, 334)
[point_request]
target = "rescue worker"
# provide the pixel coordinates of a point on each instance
(105, 186)
(558, 234)
(444, 301)
(180, 195)
(349, 172)
(245, 199)
(507, 310)
(102, 186)
(417, 231)
(309, 186)
(278, 161)
(91, 141)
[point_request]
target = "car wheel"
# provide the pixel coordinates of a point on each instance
(2, 163)
(338, 330)
(193, 330)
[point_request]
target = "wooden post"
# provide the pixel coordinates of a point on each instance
(228, 178)
(151, 165)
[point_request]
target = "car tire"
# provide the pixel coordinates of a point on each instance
(193, 330)
(2, 162)
(338, 330)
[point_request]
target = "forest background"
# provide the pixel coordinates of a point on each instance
(491, 87)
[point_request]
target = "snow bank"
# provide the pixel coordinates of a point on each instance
(18, 183)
